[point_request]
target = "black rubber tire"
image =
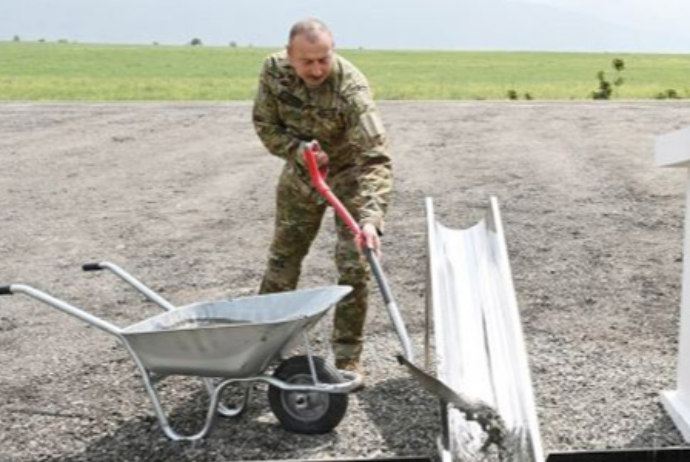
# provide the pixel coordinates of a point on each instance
(302, 412)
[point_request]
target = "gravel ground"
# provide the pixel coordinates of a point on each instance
(182, 196)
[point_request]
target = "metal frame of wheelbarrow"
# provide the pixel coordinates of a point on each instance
(298, 389)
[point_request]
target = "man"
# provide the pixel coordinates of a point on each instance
(307, 93)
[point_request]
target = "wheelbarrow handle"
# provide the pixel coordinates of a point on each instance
(131, 280)
(62, 306)
(318, 180)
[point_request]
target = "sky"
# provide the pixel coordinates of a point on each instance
(657, 26)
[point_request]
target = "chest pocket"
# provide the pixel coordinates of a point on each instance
(329, 122)
(312, 122)
(290, 110)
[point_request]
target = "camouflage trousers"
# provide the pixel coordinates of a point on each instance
(298, 218)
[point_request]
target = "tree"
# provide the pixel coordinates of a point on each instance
(16, 39)
(196, 42)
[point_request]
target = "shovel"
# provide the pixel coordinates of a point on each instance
(473, 408)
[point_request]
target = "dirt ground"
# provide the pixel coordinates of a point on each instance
(183, 197)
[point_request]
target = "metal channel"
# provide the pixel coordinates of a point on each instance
(479, 345)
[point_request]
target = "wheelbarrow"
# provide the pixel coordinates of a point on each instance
(232, 342)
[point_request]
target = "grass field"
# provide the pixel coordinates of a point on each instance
(73, 72)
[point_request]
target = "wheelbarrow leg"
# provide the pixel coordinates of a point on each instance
(223, 410)
(211, 413)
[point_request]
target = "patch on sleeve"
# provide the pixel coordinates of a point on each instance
(372, 125)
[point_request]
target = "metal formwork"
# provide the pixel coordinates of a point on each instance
(479, 346)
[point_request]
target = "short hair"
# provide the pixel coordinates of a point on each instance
(311, 28)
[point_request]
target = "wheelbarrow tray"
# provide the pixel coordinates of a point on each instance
(236, 338)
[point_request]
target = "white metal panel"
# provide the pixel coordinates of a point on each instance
(673, 149)
(480, 349)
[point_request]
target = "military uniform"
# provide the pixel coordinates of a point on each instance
(340, 114)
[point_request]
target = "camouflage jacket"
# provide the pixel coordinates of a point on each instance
(340, 114)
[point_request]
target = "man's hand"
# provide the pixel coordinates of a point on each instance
(370, 238)
(321, 156)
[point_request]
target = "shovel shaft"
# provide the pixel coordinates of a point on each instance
(391, 306)
(318, 180)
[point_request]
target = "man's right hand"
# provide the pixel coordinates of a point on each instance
(369, 237)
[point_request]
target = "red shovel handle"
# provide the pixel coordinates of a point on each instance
(318, 180)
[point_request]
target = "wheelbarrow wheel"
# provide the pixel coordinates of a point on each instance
(307, 412)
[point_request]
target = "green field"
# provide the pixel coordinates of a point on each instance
(74, 72)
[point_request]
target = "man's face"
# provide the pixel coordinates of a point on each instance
(312, 60)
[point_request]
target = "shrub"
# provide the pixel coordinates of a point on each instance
(605, 90)
(668, 94)
(514, 95)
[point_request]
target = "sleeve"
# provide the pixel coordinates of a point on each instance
(267, 123)
(367, 136)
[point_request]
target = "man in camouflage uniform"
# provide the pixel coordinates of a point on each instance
(308, 92)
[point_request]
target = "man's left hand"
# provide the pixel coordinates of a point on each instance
(370, 238)
(315, 147)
